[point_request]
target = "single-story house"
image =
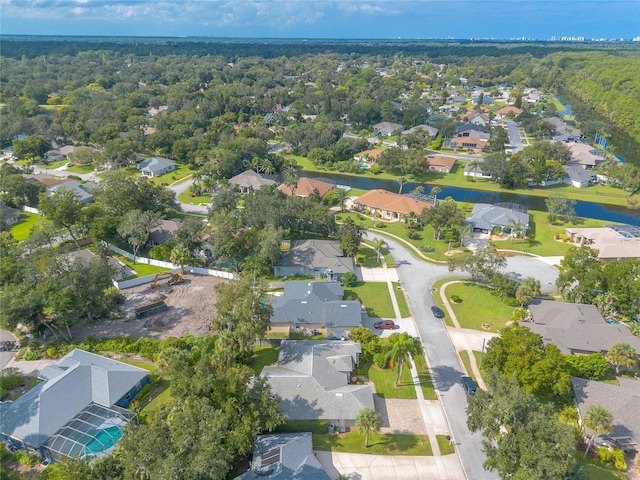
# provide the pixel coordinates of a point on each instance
(250, 180)
(312, 381)
(389, 205)
(576, 328)
(386, 129)
(368, 157)
(46, 179)
(156, 166)
(578, 177)
(510, 110)
(306, 186)
(79, 188)
(284, 456)
(465, 142)
(473, 133)
(486, 218)
(584, 155)
(461, 128)
(440, 163)
(314, 258)
(457, 99)
(612, 242)
(621, 399)
(121, 270)
(475, 171)
(78, 410)
(59, 153)
(8, 215)
(428, 129)
(153, 111)
(308, 307)
(163, 232)
(480, 119)
(486, 100)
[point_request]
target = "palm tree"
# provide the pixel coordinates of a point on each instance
(368, 421)
(409, 220)
(598, 419)
(474, 165)
(622, 354)
(463, 231)
(399, 347)
(402, 181)
(341, 195)
(290, 176)
(434, 193)
(516, 227)
(378, 243)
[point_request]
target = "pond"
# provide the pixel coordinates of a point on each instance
(610, 213)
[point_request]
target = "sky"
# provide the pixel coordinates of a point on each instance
(340, 19)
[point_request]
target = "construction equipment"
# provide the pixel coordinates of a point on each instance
(173, 278)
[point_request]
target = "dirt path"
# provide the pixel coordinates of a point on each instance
(191, 307)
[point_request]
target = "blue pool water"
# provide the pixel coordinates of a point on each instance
(104, 439)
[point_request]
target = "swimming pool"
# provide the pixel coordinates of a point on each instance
(103, 439)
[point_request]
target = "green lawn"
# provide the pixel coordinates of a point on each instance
(81, 169)
(464, 355)
(445, 445)
(149, 367)
(402, 300)
(179, 173)
(140, 268)
(379, 444)
(262, 357)
(374, 296)
(385, 381)
(368, 256)
(478, 306)
(438, 300)
(186, 197)
(21, 230)
(428, 391)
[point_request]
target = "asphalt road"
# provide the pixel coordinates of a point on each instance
(417, 277)
(5, 357)
(514, 136)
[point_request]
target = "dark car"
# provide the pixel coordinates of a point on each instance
(437, 312)
(384, 325)
(469, 385)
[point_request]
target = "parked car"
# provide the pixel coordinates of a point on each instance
(469, 385)
(437, 312)
(384, 325)
(68, 164)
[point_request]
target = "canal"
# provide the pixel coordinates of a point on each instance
(610, 213)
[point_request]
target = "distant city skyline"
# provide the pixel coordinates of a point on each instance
(339, 19)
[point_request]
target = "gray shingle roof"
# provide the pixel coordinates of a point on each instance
(317, 254)
(485, 216)
(621, 400)
(316, 302)
(71, 384)
(578, 174)
(283, 457)
(574, 327)
(155, 164)
(250, 179)
(311, 382)
(76, 187)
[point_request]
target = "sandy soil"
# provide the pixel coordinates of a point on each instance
(190, 311)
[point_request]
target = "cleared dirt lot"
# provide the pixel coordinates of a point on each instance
(190, 311)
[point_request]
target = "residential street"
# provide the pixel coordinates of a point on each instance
(514, 136)
(417, 276)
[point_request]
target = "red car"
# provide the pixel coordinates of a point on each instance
(384, 325)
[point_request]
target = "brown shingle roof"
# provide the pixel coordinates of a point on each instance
(393, 202)
(305, 187)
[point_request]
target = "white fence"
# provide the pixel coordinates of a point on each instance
(159, 263)
(31, 210)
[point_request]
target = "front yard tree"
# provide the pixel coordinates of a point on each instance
(182, 256)
(398, 349)
(63, 208)
(368, 421)
(527, 290)
(559, 206)
(525, 439)
(445, 215)
(350, 237)
(598, 419)
(580, 275)
(243, 309)
(622, 354)
(136, 226)
(483, 263)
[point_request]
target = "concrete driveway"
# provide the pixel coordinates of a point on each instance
(384, 467)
